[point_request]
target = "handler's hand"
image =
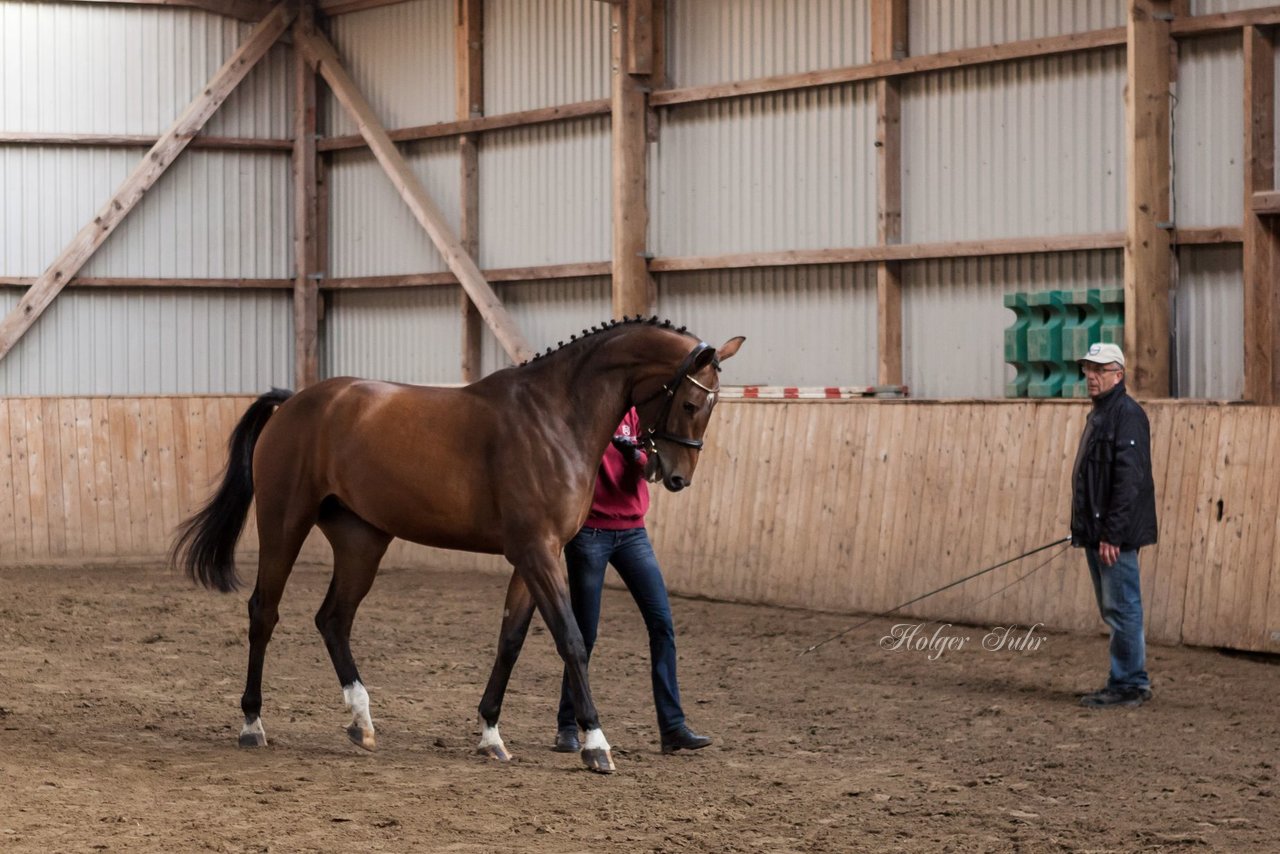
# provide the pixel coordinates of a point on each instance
(1108, 553)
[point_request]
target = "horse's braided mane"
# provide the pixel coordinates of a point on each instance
(639, 319)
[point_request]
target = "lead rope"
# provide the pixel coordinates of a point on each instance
(947, 587)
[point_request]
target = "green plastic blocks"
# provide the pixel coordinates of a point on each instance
(1051, 330)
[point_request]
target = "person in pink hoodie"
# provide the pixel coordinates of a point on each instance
(614, 533)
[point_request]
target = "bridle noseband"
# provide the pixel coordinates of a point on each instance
(659, 430)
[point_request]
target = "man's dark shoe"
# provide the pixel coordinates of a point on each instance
(1112, 697)
(567, 740)
(683, 738)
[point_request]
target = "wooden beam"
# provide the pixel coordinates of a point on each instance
(124, 282)
(506, 274)
(306, 294)
(1051, 46)
(1208, 25)
(468, 33)
(145, 174)
(345, 7)
(1265, 202)
(320, 50)
(524, 118)
(244, 10)
(888, 43)
(1148, 236)
(1261, 249)
(638, 50)
(633, 289)
(142, 141)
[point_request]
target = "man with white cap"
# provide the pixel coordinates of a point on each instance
(1113, 514)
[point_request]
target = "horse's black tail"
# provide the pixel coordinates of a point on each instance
(206, 542)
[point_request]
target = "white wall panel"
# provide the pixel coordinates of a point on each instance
(402, 58)
(212, 214)
(372, 232)
(411, 335)
(144, 341)
(795, 170)
(548, 312)
(543, 53)
(805, 326)
(89, 68)
(1208, 121)
(717, 41)
(935, 26)
(953, 314)
(1210, 322)
(1213, 7)
(1015, 149)
(545, 195)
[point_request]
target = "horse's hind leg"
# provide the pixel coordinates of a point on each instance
(279, 544)
(357, 549)
(515, 625)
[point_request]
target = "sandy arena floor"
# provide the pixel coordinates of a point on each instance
(119, 709)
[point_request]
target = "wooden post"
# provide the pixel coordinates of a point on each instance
(1148, 235)
(306, 312)
(888, 42)
(172, 143)
(469, 73)
(631, 22)
(1261, 251)
(320, 50)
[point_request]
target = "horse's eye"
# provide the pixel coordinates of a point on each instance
(690, 408)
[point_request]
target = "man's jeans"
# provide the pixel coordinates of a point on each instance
(1119, 594)
(588, 554)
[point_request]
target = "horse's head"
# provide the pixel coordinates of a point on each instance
(674, 417)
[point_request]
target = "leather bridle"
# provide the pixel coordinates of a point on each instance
(659, 429)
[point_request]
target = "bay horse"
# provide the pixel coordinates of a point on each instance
(505, 465)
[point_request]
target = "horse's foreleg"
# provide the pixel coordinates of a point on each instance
(516, 614)
(358, 547)
(548, 584)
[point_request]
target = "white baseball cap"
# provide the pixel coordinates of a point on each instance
(1104, 354)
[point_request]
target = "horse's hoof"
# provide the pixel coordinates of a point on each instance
(598, 760)
(252, 734)
(496, 752)
(252, 739)
(362, 737)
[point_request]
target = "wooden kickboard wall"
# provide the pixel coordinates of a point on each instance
(849, 506)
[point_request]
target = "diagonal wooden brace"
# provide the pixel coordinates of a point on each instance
(322, 53)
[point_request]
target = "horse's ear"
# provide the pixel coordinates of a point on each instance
(729, 347)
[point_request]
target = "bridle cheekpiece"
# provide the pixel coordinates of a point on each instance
(659, 428)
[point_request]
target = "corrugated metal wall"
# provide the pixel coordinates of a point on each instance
(1208, 123)
(371, 230)
(794, 170)
(123, 341)
(410, 336)
(1213, 7)
(548, 313)
(718, 41)
(86, 68)
(542, 53)
(545, 195)
(74, 68)
(1210, 322)
(934, 26)
(1015, 149)
(805, 326)
(953, 315)
(402, 58)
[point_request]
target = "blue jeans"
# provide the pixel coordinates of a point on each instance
(588, 554)
(1119, 594)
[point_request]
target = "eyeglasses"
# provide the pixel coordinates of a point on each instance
(1090, 368)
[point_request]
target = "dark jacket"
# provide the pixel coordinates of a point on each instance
(1113, 495)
